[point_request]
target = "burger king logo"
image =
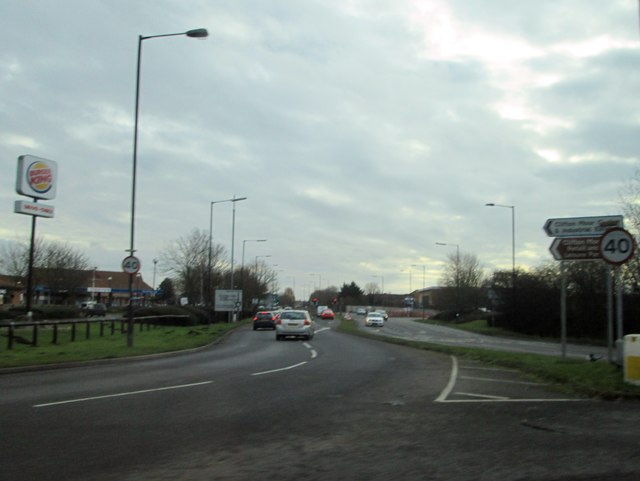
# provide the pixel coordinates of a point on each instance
(37, 177)
(40, 177)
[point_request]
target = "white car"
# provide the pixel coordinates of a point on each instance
(384, 314)
(294, 324)
(374, 319)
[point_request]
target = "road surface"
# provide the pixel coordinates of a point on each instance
(417, 331)
(337, 407)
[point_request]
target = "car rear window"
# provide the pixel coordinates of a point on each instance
(264, 315)
(292, 315)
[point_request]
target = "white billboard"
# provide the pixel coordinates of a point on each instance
(228, 300)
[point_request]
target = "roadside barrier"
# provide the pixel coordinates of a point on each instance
(111, 325)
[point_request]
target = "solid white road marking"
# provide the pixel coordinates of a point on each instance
(452, 381)
(131, 393)
(278, 370)
(486, 379)
(511, 400)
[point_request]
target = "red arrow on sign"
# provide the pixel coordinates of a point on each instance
(576, 248)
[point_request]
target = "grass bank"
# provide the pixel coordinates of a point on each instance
(593, 379)
(156, 340)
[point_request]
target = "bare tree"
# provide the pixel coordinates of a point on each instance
(463, 271)
(187, 260)
(57, 266)
(630, 202)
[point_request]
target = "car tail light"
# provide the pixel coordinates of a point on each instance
(255, 318)
(278, 321)
(307, 322)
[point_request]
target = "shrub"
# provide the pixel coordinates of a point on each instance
(167, 315)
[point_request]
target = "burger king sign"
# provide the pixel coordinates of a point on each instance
(37, 177)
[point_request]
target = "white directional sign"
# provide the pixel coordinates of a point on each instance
(582, 226)
(617, 246)
(576, 248)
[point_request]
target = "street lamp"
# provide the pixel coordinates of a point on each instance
(513, 249)
(260, 257)
(242, 265)
(424, 269)
(382, 296)
(513, 234)
(234, 200)
(457, 246)
(155, 264)
(319, 288)
(197, 33)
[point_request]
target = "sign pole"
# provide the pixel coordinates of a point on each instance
(30, 271)
(619, 315)
(563, 308)
(609, 313)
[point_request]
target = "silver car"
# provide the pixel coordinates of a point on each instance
(374, 319)
(295, 324)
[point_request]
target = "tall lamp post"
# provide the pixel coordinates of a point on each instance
(513, 249)
(457, 246)
(242, 265)
(382, 278)
(234, 200)
(243, 246)
(233, 233)
(197, 33)
(424, 269)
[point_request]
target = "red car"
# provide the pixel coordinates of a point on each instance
(327, 314)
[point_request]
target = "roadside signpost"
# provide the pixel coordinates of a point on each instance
(228, 300)
(131, 265)
(581, 226)
(36, 178)
(576, 248)
(592, 239)
(617, 246)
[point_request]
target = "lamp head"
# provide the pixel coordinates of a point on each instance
(198, 33)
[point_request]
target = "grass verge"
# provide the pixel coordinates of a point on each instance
(157, 340)
(583, 378)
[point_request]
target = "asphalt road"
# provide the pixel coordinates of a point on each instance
(335, 408)
(410, 329)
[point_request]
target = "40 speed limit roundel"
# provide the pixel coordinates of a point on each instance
(131, 265)
(617, 246)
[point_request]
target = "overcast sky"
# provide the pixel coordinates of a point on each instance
(362, 132)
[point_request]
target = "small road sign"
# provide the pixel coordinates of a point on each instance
(131, 265)
(576, 248)
(617, 246)
(582, 226)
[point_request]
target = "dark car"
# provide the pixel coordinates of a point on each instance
(97, 309)
(264, 320)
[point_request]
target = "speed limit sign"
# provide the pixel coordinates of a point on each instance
(617, 246)
(131, 264)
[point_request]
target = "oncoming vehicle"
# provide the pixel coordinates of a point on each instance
(296, 324)
(384, 314)
(374, 319)
(96, 309)
(264, 320)
(327, 314)
(361, 311)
